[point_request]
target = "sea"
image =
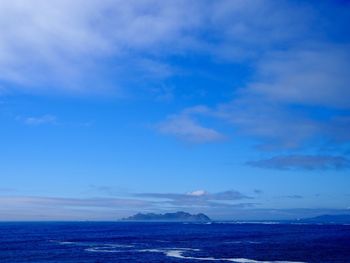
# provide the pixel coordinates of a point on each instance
(74, 242)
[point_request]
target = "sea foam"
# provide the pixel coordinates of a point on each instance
(174, 252)
(179, 253)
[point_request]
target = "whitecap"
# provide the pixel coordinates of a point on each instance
(165, 250)
(118, 245)
(248, 222)
(102, 250)
(197, 223)
(179, 253)
(66, 243)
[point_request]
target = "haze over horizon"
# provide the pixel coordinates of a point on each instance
(236, 109)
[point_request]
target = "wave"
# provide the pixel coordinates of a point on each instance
(109, 248)
(179, 253)
(103, 250)
(66, 243)
(163, 250)
(248, 222)
(94, 245)
(174, 252)
(198, 223)
(118, 245)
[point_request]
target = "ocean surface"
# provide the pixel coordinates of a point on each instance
(172, 242)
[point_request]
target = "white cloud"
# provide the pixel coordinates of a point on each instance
(16, 207)
(296, 67)
(200, 198)
(63, 44)
(45, 119)
(59, 208)
(303, 162)
(77, 45)
(197, 193)
(185, 128)
(278, 105)
(309, 76)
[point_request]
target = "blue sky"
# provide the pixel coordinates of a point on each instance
(239, 109)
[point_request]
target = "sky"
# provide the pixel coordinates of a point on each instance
(237, 109)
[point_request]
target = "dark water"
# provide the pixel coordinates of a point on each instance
(172, 242)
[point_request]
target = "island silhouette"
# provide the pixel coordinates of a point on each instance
(179, 216)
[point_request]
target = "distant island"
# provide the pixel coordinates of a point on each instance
(169, 217)
(187, 217)
(327, 219)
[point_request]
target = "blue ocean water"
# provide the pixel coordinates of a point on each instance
(172, 242)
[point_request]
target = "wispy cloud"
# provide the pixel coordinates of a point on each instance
(60, 208)
(66, 45)
(286, 72)
(198, 194)
(49, 119)
(63, 44)
(98, 208)
(278, 107)
(74, 202)
(304, 162)
(298, 92)
(307, 76)
(39, 120)
(7, 190)
(201, 198)
(222, 205)
(185, 128)
(294, 196)
(105, 190)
